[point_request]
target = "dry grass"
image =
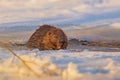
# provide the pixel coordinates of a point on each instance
(5, 45)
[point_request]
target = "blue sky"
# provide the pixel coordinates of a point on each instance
(59, 11)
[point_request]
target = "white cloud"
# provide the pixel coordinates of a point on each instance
(20, 10)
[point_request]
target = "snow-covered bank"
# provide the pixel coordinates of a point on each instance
(62, 65)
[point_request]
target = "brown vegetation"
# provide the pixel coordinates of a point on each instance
(95, 43)
(105, 44)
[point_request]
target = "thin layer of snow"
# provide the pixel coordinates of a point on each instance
(74, 65)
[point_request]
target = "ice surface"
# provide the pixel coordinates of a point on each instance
(67, 64)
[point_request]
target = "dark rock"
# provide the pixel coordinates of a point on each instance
(48, 38)
(74, 41)
(84, 42)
